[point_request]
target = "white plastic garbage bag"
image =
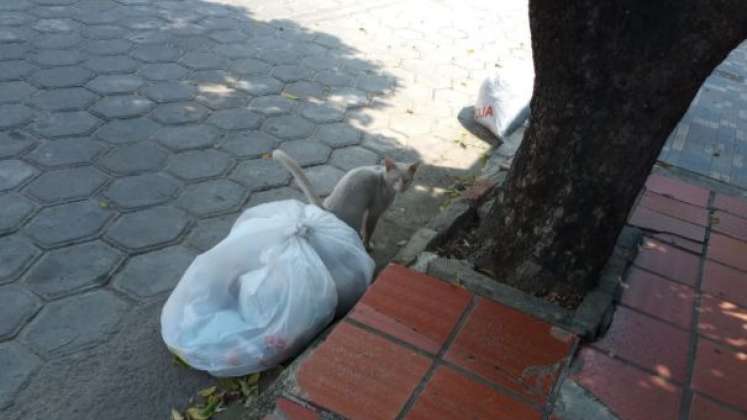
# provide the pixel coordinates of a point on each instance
(503, 100)
(261, 294)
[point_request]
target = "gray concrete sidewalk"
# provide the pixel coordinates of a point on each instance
(133, 132)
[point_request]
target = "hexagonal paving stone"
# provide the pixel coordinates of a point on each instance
(13, 143)
(348, 97)
(159, 71)
(14, 115)
(15, 69)
(111, 64)
(203, 61)
(142, 190)
(260, 174)
(65, 76)
(65, 99)
(53, 41)
(66, 152)
(18, 365)
(66, 184)
(15, 92)
(179, 113)
(17, 306)
(55, 25)
(156, 53)
(411, 125)
(322, 113)
(217, 96)
(14, 209)
(122, 106)
(292, 73)
(154, 273)
(212, 197)
(338, 135)
(307, 152)
(120, 83)
(304, 89)
(272, 105)
(134, 158)
(75, 323)
(199, 164)
(250, 67)
(235, 119)
(259, 85)
(63, 124)
(353, 157)
(72, 269)
(323, 178)
(202, 77)
(187, 137)
(127, 131)
(334, 78)
(57, 57)
(170, 91)
(375, 83)
(67, 222)
(107, 46)
(148, 228)
(288, 127)
(13, 52)
(16, 253)
(249, 144)
(14, 173)
(228, 37)
(209, 232)
(103, 31)
(276, 194)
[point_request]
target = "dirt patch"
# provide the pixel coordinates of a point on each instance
(463, 243)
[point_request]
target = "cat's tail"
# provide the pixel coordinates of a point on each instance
(295, 169)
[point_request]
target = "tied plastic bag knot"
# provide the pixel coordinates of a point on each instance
(300, 230)
(266, 290)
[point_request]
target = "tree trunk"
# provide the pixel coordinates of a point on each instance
(613, 78)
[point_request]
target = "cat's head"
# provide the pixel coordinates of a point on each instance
(400, 175)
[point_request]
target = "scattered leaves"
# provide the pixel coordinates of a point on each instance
(104, 204)
(267, 156)
(471, 51)
(204, 393)
(216, 398)
(180, 362)
(289, 96)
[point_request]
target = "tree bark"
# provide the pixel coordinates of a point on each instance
(613, 78)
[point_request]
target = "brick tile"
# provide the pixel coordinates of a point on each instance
(725, 282)
(702, 408)
(354, 372)
(413, 307)
(692, 246)
(720, 373)
(675, 208)
(511, 349)
(728, 251)
(723, 321)
(730, 204)
(662, 298)
(670, 262)
(288, 410)
(678, 189)
(729, 224)
(629, 392)
(648, 219)
(647, 342)
(451, 395)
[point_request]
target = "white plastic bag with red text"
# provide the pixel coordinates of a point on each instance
(503, 100)
(265, 291)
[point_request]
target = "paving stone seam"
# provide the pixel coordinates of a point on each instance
(436, 361)
(132, 252)
(563, 375)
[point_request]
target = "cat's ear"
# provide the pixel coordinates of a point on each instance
(413, 167)
(389, 164)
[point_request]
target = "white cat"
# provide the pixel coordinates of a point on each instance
(362, 195)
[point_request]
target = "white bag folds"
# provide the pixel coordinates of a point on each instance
(503, 100)
(262, 293)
